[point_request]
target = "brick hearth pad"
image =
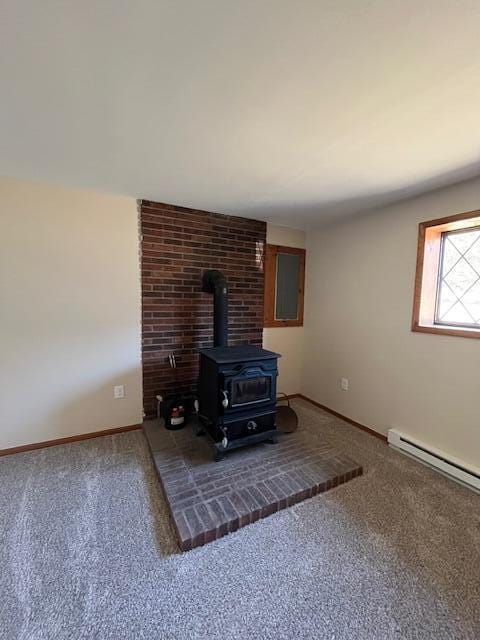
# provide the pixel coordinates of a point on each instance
(209, 499)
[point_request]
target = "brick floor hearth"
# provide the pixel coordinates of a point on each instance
(209, 499)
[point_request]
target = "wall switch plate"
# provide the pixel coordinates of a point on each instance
(344, 384)
(118, 391)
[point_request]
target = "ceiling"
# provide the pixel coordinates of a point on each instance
(292, 111)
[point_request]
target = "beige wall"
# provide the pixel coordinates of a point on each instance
(286, 340)
(359, 292)
(70, 312)
(70, 321)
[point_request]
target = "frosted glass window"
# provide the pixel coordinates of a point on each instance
(288, 275)
(284, 269)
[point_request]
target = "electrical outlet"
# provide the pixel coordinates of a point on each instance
(344, 384)
(118, 391)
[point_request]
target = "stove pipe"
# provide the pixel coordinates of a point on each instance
(215, 282)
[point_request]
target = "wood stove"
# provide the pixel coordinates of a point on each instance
(237, 386)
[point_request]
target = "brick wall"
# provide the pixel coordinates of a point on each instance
(178, 244)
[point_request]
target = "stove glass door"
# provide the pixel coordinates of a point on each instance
(249, 390)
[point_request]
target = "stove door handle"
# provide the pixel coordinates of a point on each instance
(224, 399)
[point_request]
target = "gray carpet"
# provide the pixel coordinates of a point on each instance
(87, 552)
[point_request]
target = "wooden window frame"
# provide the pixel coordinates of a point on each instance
(427, 274)
(270, 266)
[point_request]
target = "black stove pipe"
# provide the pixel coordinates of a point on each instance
(215, 282)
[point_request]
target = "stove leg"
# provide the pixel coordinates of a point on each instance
(199, 430)
(200, 426)
(218, 456)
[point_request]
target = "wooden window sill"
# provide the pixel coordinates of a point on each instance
(447, 330)
(282, 323)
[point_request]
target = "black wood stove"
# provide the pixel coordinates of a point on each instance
(237, 386)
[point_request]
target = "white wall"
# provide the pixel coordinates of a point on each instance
(359, 295)
(287, 341)
(70, 312)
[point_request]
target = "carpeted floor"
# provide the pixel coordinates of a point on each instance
(87, 552)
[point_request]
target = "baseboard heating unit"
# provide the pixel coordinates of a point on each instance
(451, 467)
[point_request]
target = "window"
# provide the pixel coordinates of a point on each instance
(458, 300)
(284, 286)
(447, 284)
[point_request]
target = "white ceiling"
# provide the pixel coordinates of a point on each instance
(292, 111)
